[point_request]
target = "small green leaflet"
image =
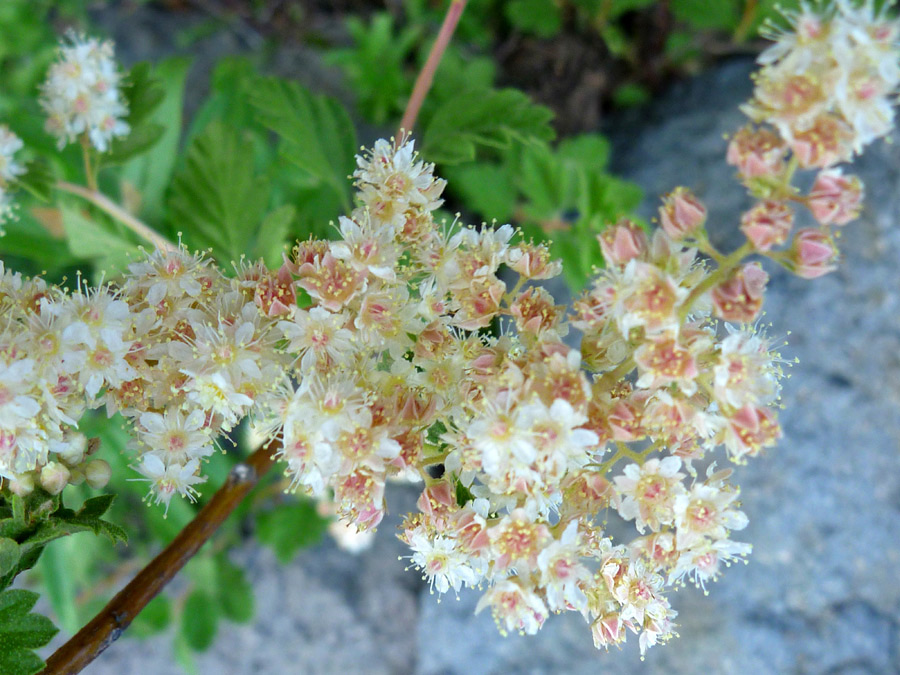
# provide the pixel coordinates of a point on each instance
(21, 632)
(492, 118)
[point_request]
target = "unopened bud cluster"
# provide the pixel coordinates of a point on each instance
(415, 349)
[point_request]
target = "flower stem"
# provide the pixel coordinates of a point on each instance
(725, 268)
(426, 75)
(89, 176)
(108, 625)
(104, 203)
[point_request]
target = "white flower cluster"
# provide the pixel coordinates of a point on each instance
(10, 144)
(81, 95)
(179, 349)
(827, 85)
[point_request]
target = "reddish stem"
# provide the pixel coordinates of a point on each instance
(426, 75)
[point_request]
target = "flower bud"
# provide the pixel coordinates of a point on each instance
(835, 199)
(54, 477)
(623, 242)
(756, 153)
(22, 485)
(71, 450)
(76, 476)
(813, 254)
(767, 224)
(681, 214)
(97, 473)
(739, 298)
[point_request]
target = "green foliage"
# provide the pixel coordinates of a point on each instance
(538, 17)
(491, 118)
(150, 172)
(289, 527)
(218, 198)
(21, 632)
(561, 195)
(376, 66)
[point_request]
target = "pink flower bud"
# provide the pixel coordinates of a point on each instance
(827, 141)
(681, 214)
(813, 254)
(54, 477)
(768, 224)
(756, 152)
(835, 199)
(623, 242)
(739, 298)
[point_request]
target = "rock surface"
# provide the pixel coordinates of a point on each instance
(820, 593)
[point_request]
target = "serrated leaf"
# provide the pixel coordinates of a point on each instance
(289, 527)
(38, 180)
(234, 591)
(217, 197)
(199, 620)
(9, 555)
(21, 632)
(94, 507)
(316, 132)
(494, 118)
(375, 67)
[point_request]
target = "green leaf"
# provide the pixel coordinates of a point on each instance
(495, 118)
(217, 197)
(289, 527)
(139, 140)
(538, 17)
(38, 179)
(587, 151)
(9, 555)
(316, 133)
(631, 94)
(58, 583)
(154, 618)
(21, 632)
(705, 15)
(273, 233)
(143, 92)
(88, 239)
(151, 172)
(94, 507)
(486, 188)
(235, 592)
(375, 67)
(199, 620)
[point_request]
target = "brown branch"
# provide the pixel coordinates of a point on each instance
(106, 204)
(426, 75)
(108, 625)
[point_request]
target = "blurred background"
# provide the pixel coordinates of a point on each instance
(558, 116)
